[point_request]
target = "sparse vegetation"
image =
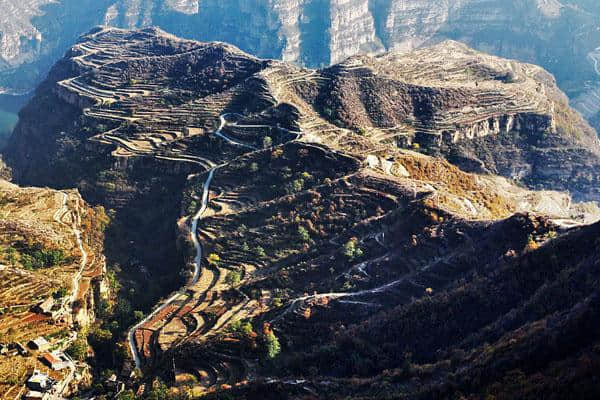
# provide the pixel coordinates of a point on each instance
(233, 278)
(267, 142)
(351, 249)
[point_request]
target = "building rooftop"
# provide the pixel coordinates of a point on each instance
(32, 394)
(40, 342)
(50, 358)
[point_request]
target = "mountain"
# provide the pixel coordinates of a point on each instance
(560, 36)
(327, 240)
(484, 113)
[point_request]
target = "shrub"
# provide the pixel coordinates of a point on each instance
(267, 142)
(233, 278)
(351, 250)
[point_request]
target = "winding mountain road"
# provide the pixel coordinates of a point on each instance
(76, 223)
(197, 269)
(195, 239)
(219, 133)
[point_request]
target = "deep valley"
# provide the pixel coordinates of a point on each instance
(408, 225)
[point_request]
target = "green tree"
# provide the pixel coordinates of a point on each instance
(114, 326)
(159, 391)
(99, 335)
(12, 256)
(60, 293)
(306, 176)
(295, 186)
(303, 234)
(78, 349)
(273, 348)
(213, 260)
(267, 142)
(138, 315)
(123, 311)
(243, 329)
(351, 249)
(233, 278)
(260, 252)
(246, 329)
(28, 262)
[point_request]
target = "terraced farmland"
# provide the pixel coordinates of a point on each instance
(37, 223)
(304, 201)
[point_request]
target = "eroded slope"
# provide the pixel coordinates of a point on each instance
(296, 203)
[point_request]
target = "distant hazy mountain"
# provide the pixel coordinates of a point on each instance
(562, 36)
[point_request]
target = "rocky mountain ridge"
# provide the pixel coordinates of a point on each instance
(475, 109)
(289, 201)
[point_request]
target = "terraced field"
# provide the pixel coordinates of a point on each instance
(43, 221)
(307, 200)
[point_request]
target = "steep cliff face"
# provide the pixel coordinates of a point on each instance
(320, 32)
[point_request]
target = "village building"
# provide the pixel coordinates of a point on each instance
(34, 395)
(191, 131)
(21, 349)
(45, 307)
(39, 344)
(38, 381)
(54, 361)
